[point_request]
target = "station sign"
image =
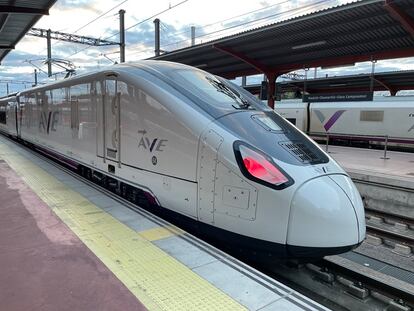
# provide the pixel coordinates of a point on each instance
(338, 97)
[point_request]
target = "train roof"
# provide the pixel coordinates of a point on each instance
(160, 66)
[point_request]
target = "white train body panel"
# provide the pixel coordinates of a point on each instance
(389, 116)
(392, 116)
(294, 111)
(164, 128)
(262, 216)
(8, 108)
(82, 140)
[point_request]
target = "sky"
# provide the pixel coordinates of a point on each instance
(99, 19)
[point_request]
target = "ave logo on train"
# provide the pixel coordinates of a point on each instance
(151, 145)
(48, 121)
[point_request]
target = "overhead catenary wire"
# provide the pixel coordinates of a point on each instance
(267, 17)
(90, 22)
(290, 11)
(233, 17)
(136, 24)
(100, 16)
(206, 35)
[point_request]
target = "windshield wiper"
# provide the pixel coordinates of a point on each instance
(221, 87)
(241, 106)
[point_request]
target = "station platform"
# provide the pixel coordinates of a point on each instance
(66, 246)
(369, 165)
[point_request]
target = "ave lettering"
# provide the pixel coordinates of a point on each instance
(156, 144)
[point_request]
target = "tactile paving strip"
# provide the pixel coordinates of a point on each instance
(158, 280)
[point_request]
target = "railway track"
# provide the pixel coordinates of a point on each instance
(391, 218)
(331, 281)
(396, 232)
(341, 284)
(391, 235)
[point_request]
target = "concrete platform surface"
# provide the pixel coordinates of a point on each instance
(45, 266)
(399, 165)
(64, 245)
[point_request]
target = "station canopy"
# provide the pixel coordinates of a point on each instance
(355, 32)
(16, 18)
(392, 81)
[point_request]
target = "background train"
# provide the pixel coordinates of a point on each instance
(198, 146)
(354, 121)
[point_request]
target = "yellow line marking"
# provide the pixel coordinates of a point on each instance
(158, 280)
(159, 233)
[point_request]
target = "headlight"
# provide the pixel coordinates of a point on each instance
(257, 166)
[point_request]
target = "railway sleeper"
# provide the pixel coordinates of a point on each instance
(321, 273)
(358, 290)
(402, 249)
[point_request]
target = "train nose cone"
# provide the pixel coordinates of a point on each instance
(352, 193)
(326, 212)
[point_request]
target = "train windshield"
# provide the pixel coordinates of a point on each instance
(210, 89)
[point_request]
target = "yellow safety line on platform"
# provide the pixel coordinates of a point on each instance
(159, 233)
(158, 280)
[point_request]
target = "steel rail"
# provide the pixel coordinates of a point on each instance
(324, 264)
(369, 281)
(387, 234)
(395, 218)
(230, 260)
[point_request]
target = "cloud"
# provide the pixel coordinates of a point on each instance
(67, 6)
(208, 17)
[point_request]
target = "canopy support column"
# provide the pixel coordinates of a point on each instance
(271, 77)
(398, 14)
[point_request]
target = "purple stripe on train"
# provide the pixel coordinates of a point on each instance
(331, 120)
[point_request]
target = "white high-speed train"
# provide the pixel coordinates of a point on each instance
(391, 116)
(197, 145)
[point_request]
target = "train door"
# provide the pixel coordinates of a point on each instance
(73, 144)
(20, 110)
(99, 99)
(16, 116)
(12, 122)
(109, 140)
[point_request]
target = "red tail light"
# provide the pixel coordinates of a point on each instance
(261, 168)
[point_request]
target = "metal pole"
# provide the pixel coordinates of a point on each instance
(157, 36)
(35, 77)
(385, 148)
(49, 53)
(271, 90)
(7, 88)
(192, 35)
(244, 81)
(327, 142)
(122, 35)
(371, 86)
(305, 82)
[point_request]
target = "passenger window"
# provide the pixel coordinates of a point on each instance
(208, 87)
(3, 114)
(372, 115)
(127, 93)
